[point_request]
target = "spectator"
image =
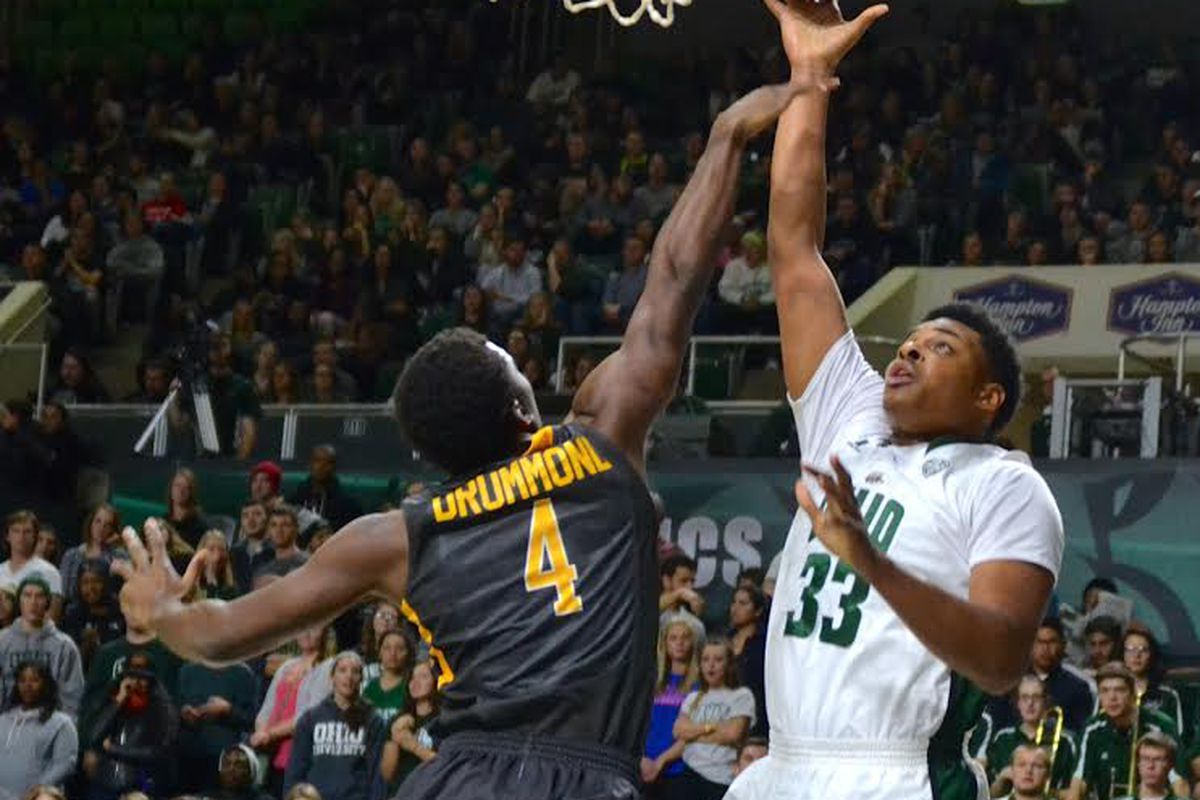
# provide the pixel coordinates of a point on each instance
(35, 636)
(624, 288)
(216, 581)
(1033, 705)
(138, 261)
(678, 676)
(236, 410)
(324, 353)
(283, 527)
(183, 506)
(132, 745)
(753, 749)
(101, 532)
(1070, 687)
(387, 692)
(109, 663)
(1155, 754)
(510, 285)
(168, 207)
(384, 620)
(745, 289)
(654, 199)
(322, 492)
(266, 479)
(679, 598)
(1128, 243)
(285, 384)
(9, 607)
(1030, 769)
(239, 776)
(265, 360)
(713, 721)
(554, 85)
(154, 383)
(748, 640)
(410, 743)
(93, 617)
(252, 548)
(455, 217)
(276, 721)
(1103, 637)
(48, 547)
(40, 742)
(77, 382)
(338, 744)
(1143, 656)
(67, 452)
(216, 707)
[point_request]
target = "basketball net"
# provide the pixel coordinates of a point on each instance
(662, 16)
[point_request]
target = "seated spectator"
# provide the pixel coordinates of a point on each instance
(216, 581)
(473, 310)
(239, 776)
(338, 744)
(109, 662)
(40, 742)
(266, 478)
(101, 532)
(58, 229)
(748, 640)
(1103, 638)
(77, 382)
(745, 290)
(183, 506)
(712, 722)
(138, 262)
(1143, 656)
(132, 744)
(653, 200)
(484, 245)
(168, 207)
(387, 692)
(8, 605)
(34, 636)
(1070, 687)
(285, 385)
(383, 620)
(276, 721)
(679, 598)
(324, 353)
(265, 359)
(322, 492)
(1158, 249)
(217, 708)
(1128, 242)
(753, 749)
(1155, 754)
(48, 547)
(510, 285)
(624, 288)
(678, 676)
(252, 547)
(1088, 252)
(283, 527)
(455, 217)
(410, 743)
(1030, 769)
(1033, 706)
(93, 616)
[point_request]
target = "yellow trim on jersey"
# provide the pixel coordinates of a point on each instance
(445, 674)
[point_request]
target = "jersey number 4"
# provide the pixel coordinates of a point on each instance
(840, 633)
(546, 544)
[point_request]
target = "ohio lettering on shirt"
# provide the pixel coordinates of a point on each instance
(337, 739)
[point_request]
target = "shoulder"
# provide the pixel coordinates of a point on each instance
(1094, 725)
(1004, 733)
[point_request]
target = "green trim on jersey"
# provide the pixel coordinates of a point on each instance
(950, 775)
(980, 738)
(1104, 750)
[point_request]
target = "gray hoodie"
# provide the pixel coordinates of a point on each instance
(47, 645)
(36, 752)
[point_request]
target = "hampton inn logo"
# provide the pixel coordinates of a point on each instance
(1167, 304)
(1026, 308)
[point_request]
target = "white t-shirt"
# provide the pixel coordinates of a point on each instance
(715, 762)
(37, 565)
(840, 664)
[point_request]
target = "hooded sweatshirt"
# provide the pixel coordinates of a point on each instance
(106, 667)
(46, 645)
(36, 752)
(341, 762)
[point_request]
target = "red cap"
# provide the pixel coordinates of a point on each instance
(273, 471)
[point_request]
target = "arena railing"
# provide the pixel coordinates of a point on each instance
(1180, 341)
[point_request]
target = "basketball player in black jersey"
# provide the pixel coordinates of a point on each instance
(530, 574)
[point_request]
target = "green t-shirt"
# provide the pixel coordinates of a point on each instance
(1105, 750)
(1006, 741)
(389, 703)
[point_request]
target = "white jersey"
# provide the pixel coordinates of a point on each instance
(841, 666)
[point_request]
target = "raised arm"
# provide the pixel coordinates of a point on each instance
(367, 557)
(623, 396)
(811, 314)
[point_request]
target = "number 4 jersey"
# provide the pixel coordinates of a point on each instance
(535, 585)
(841, 665)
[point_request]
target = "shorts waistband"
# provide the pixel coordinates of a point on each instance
(886, 753)
(591, 755)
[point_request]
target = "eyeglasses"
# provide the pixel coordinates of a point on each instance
(1137, 649)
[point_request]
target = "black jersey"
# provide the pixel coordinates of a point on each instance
(535, 585)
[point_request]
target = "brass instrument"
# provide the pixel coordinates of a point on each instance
(1055, 739)
(1137, 720)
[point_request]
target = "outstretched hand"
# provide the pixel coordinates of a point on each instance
(839, 525)
(757, 111)
(151, 583)
(815, 34)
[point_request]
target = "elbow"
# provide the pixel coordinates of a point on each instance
(1001, 677)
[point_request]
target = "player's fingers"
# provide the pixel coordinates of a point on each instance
(863, 22)
(845, 482)
(122, 568)
(833, 499)
(133, 545)
(156, 537)
(774, 7)
(192, 573)
(805, 499)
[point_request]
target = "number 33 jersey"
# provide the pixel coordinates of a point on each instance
(535, 586)
(841, 665)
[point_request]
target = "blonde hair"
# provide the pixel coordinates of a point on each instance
(301, 791)
(225, 579)
(691, 678)
(193, 506)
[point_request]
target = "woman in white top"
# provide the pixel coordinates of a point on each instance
(713, 721)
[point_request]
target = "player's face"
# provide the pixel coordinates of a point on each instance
(1115, 697)
(1031, 701)
(1137, 654)
(1153, 765)
(1029, 771)
(937, 384)
(523, 390)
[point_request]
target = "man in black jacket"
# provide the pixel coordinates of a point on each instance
(322, 492)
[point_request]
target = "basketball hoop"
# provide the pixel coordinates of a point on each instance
(661, 16)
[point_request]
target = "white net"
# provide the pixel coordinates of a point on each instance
(661, 12)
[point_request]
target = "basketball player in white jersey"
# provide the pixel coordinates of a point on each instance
(918, 569)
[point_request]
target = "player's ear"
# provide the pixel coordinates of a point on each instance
(990, 398)
(526, 419)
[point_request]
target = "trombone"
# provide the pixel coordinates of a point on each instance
(1131, 786)
(1055, 712)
